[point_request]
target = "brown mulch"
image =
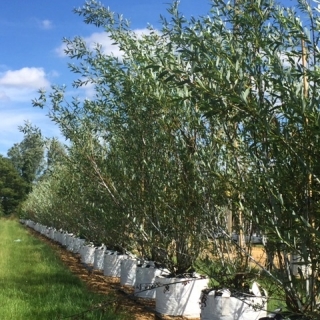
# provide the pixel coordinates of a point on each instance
(136, 308)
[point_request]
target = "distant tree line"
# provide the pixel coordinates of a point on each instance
(26, 163)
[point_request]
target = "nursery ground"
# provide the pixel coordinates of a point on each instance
(124, 300)
(35, 285)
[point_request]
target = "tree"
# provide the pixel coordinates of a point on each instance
(12, 187)
(28, 155)
(258, 77)
(55, 153)
(141, 149)
(212, 115)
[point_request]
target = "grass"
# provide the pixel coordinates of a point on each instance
(34, 284)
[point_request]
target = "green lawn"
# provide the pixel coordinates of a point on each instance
(34, 284)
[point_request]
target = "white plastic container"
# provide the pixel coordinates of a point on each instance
(179, 296)
(145, 286)
(220, 305)
(57, 236)
(99, 258)
(44, 230)
(77, 244)
(297, 265)
(63, 239)
(112, 266)
(70, 242)
(37, 227)
(51, 233)
(31, 224)
(128, 272)
(87, 254)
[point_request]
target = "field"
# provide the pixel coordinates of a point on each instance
(41, 280)
(35, 284)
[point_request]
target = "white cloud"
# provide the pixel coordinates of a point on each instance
(284, 58)
(104, 40)
(101, 38)
(89, 90)
(21, 85)
(46, 24)
(60, 50)
(17, 95)
(32, 78)
(141, 32)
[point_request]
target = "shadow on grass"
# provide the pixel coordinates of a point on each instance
(34, 284)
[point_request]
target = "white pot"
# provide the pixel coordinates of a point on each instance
(77, 244)
(31, 224)
(47, 232)
(70, 242)
(99, 258)
(112, 266)
(128, 272)
(44, 230)
(51, 233)
(40, 228)
(57, 236)
(145, 281)
(179, 296)
(220, 305)
(296, 263)
(63, 239)
(87, 254)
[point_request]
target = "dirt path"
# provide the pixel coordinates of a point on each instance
(136, 308)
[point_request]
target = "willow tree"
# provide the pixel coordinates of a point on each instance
(254, 69)
(206, 116)
(145, 144)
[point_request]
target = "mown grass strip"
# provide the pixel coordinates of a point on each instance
(34, 284)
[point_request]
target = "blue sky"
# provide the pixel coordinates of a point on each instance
(31, 52)
(31, 56)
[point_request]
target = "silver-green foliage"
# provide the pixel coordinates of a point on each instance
(214, 113)
(254, 68)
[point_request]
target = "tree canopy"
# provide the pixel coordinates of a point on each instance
(203, 120)
(13, 188)
(27, 156)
